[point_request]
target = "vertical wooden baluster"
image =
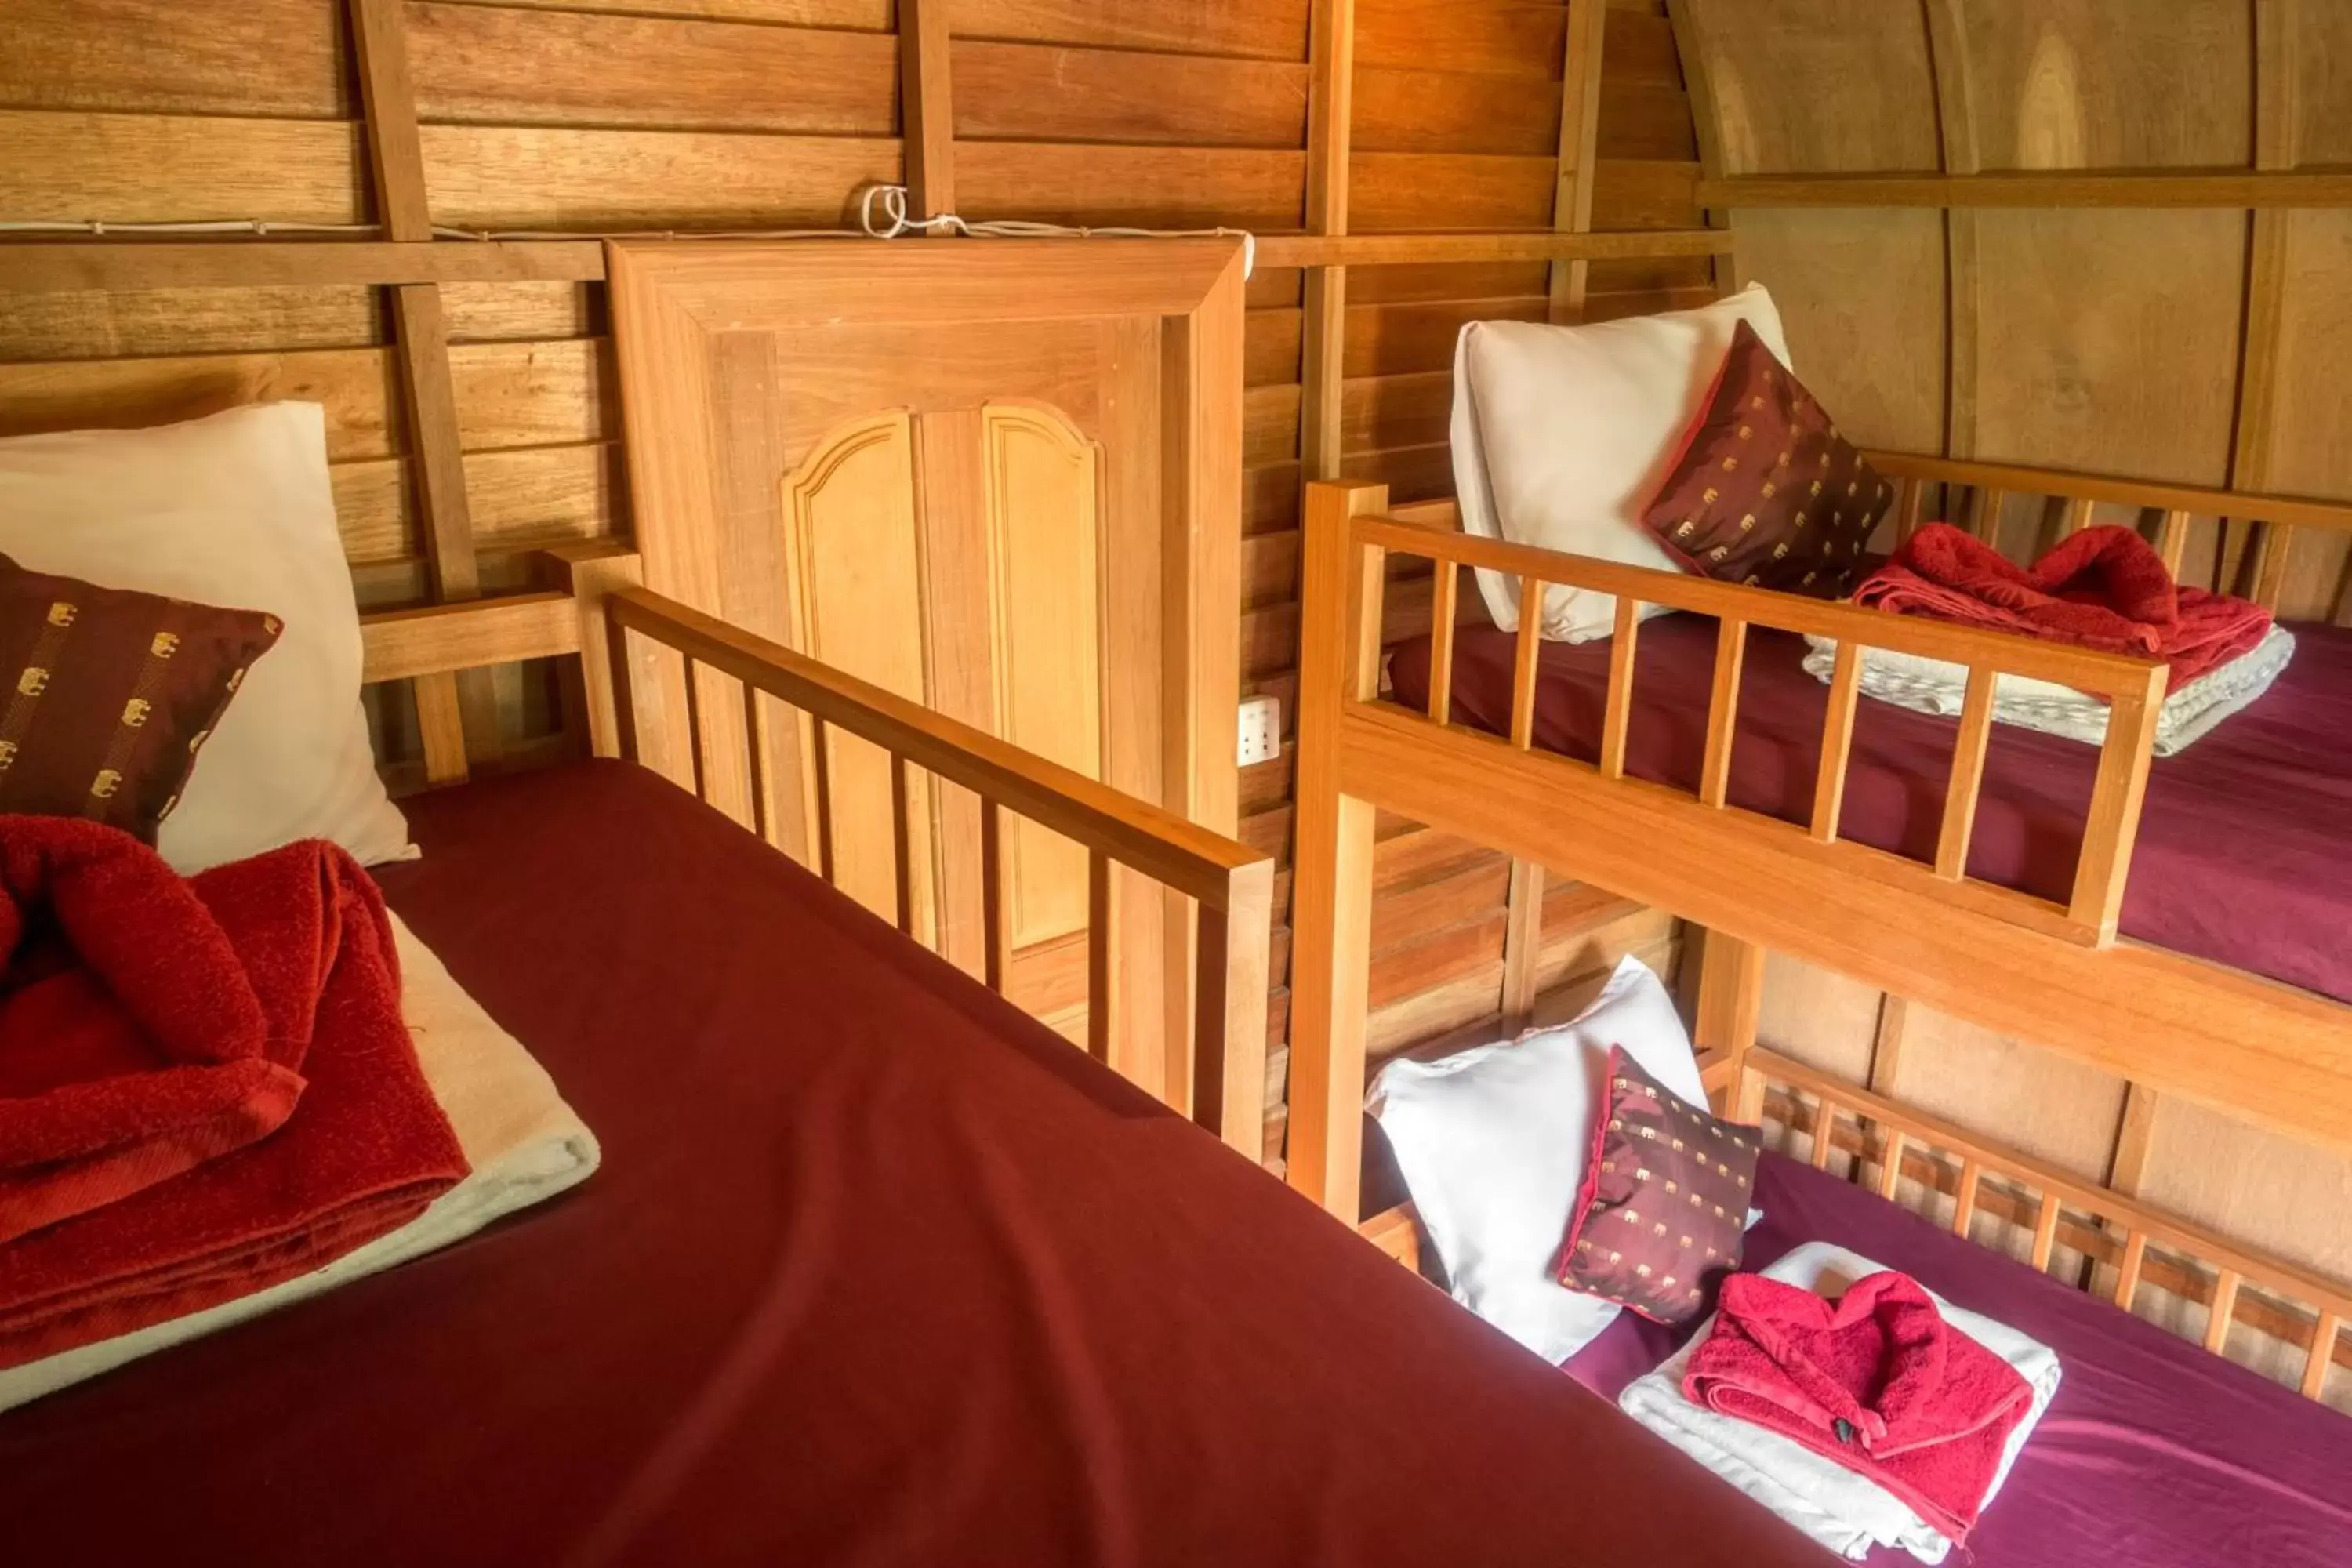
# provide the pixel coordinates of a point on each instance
(2172, 543)
(1618, 713)
(2271, 562)
(2128, 1273)
(2080, 509)
(2323, 1354)
(1964, 1202)
(1984, 515)
(755, 747)
(820, 784)
(1102, 915)
(1837, 741)
(2118, 791)
(694, 731)
(997, 960)
(625, 687)
(1890, 1162)
(1824, 1124)
(1370, 609)
(1723, 712)
(2046, 1232)
(1523, 666)
(902, 841)
(1967, 776)
(1442, 593)
(1909, 511)
(1229, 1026)
(2225, 1307)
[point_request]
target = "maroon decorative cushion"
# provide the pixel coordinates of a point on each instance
(1658, 1222)
(1766, 491)
(110, 693)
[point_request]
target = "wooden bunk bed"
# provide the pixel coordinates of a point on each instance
(2051, 970)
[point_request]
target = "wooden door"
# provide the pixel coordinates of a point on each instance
(1000, 479)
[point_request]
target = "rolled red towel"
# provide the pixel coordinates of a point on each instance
(1875, 1381)
(235, 1101)
(2102, 588)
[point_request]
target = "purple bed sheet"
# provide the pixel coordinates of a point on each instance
(2154, 1455)
(2245, 847)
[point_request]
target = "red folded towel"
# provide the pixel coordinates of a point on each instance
(1877, 1381)
(230, 1092)
(2102, 588)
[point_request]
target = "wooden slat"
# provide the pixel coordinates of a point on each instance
(820, 756)
(2118, 794)
(2077, 516)
(757, 739)
(2200, 500)
(902, 847)
(1526, 652)
(1101, 951)
(2224, 1306)
(2045, 1231)
(109, 265)
(1824, 1122)
(1890, 1162)
(441, 729)
(1837, 742)
(1964, 1201)
(1617, 712)
(1723, 712)
(1471, 249)
(698, 736)
(1523, 905)
(928, 100)
(996, 938)
(2128, 1273)
(1984, 513)
(1968, 749)
(440, 639)
(2128, 189)
(2172, 542)
(1579, 139)
(2272, 557)
(2323, 1354)
(1443, 588)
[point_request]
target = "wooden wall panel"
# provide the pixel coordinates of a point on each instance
(2321, 46)
(527, 177)
(1038, 92)
(1820, 86)
(1862, 299)
(2107, 341)
(1250, 29)
(2310, 453)
(2111, 84)
(156, 169)
(281, 57)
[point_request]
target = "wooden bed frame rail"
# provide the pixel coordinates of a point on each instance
(1231, 884)
(2055, 974)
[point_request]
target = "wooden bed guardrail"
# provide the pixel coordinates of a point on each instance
(1231, 884)
(2123, 1243)
(2133, 688)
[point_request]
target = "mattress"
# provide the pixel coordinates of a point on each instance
(876, 1270)
(2243, 840)
(2154, 1455)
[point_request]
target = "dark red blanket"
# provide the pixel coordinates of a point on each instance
(1876, 1380)
(2102, 588)
(208, 1086)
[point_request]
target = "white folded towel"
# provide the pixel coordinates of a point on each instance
(1843, 1511)
(524, 1143)
(2188, 716)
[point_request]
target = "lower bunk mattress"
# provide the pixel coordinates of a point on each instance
(2155, 1454)
(876, 1270)
(2243, 841)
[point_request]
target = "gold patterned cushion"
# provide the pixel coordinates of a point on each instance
(109, 695)
(1664, 1207)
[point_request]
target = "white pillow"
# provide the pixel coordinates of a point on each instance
(235, 510)
(1493, 1143)
(1561, 435)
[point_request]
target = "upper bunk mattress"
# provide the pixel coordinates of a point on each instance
(876, 1270)
(2245, 842)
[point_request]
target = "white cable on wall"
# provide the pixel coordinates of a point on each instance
(882, 214)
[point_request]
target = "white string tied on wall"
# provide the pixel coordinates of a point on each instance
(882, 214)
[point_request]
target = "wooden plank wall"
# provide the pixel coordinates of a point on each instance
(1894, 173)
(1331, 117)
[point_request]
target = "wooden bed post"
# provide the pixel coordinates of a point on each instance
(1730, 997)
(1331, 898)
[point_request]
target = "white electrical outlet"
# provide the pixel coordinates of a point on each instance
(1261, 729)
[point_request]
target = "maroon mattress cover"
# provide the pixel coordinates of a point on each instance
(877, 1271)
(2154, 1454)
(2244, 853)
